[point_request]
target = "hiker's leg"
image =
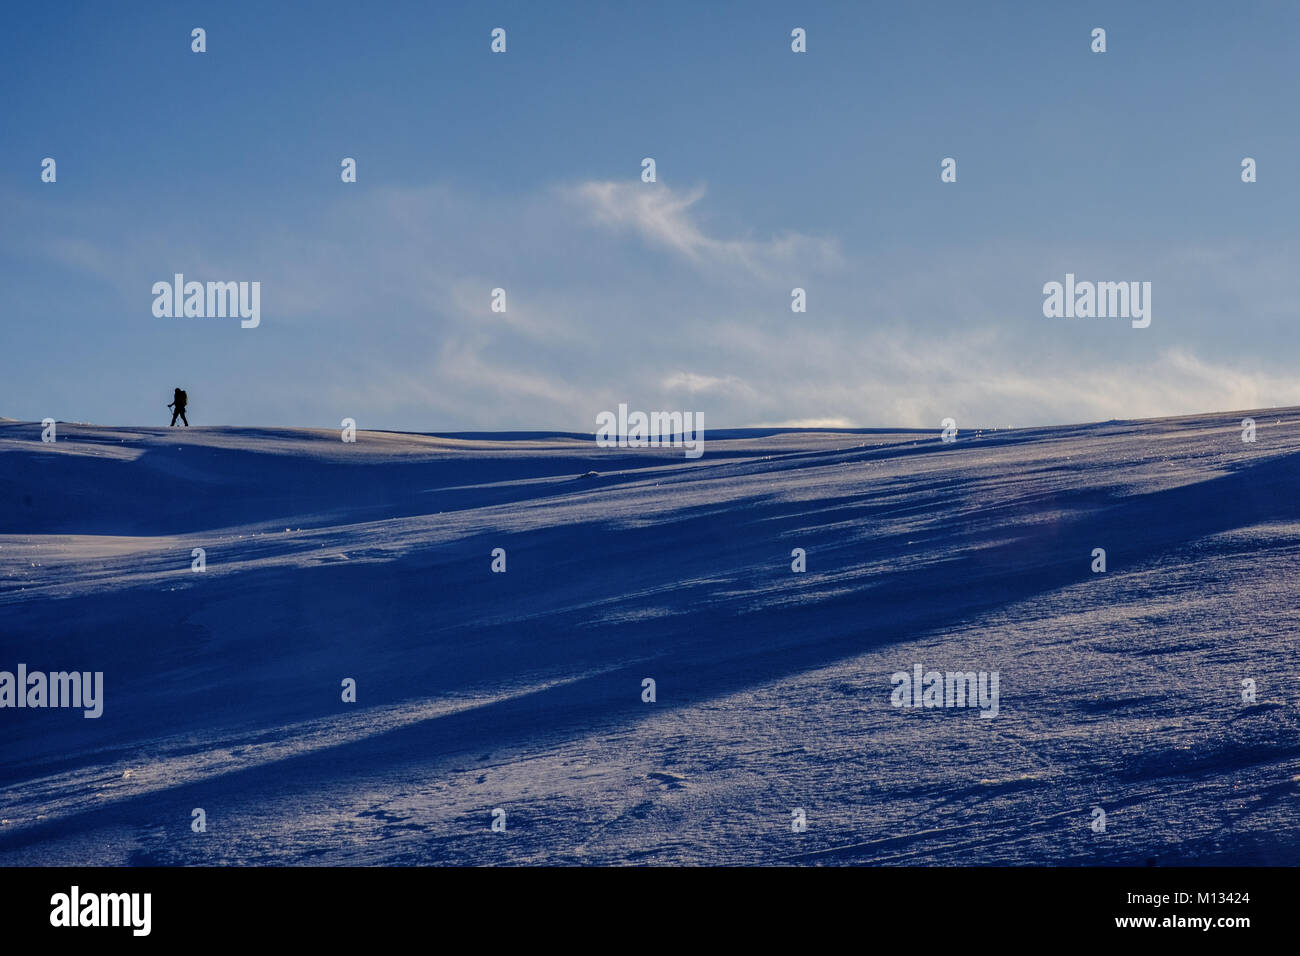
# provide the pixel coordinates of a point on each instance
(185, 420)
(174, 414)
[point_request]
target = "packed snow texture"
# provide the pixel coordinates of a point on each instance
(522, 690)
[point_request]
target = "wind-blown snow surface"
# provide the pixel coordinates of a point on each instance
(1120, 690)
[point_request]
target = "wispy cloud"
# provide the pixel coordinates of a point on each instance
(662, 216)
(377, 305)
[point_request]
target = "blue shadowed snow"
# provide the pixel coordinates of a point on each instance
(522, 690)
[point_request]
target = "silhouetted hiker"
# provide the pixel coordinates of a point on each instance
(178, 402)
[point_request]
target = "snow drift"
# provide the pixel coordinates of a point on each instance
(1162, 690)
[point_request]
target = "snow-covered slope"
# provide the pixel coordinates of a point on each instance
(523, 690)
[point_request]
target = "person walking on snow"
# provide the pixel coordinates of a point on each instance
(178, 403)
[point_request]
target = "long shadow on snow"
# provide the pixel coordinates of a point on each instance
(711, 651)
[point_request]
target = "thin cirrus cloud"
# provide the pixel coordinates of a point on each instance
(384, 295)
(663, 217)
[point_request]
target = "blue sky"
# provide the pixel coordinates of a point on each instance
(522, 171)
